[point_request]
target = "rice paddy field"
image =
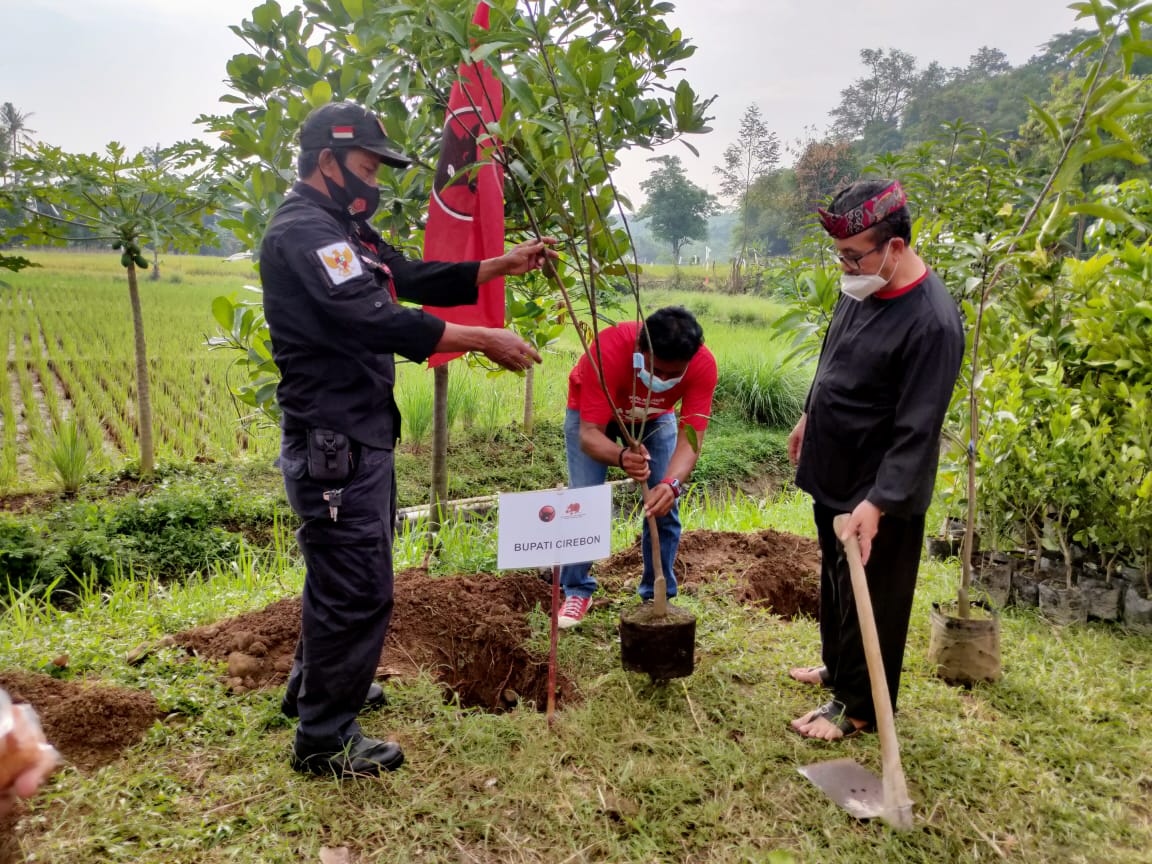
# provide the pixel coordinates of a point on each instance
(67, 331)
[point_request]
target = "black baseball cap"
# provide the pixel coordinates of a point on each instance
(346, 124)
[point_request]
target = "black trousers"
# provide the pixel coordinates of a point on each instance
(891, 570)
(348, 598)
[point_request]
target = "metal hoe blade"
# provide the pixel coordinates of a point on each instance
(852, 786)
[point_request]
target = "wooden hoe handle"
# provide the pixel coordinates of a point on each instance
(896, 801)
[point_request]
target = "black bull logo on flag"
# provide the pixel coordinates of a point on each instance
(454, 186)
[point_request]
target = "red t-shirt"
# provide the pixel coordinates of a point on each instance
(616, 347)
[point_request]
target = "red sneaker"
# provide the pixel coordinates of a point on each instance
(573, 611)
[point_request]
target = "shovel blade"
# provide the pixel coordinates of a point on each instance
(852, 786)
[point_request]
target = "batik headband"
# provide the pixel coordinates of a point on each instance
(865, 215)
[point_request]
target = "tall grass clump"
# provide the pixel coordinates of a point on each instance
(768, 386)
(491, 418)
(66, 453)
(415, 401)
(461, 396)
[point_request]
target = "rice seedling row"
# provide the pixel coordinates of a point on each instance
(68, 333)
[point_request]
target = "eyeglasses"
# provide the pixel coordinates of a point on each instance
(852, 260)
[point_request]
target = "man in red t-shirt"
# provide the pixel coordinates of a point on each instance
(647, 371)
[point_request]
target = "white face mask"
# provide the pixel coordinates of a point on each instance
(861, 286)
(656, 385)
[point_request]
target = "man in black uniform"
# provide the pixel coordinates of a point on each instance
(868, 441)
(330, 290)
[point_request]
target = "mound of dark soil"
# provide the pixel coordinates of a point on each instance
(89, 724)
(769, 568)
(468, 631)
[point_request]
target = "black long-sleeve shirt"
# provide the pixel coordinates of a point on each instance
(330, 291)
(878, 401)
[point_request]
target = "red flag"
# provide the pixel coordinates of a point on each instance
(466, 211)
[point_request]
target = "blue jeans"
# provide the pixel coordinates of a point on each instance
(660, 438)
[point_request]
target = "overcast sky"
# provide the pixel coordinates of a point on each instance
(141, 71)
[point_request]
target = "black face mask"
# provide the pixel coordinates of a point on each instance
(356, 198)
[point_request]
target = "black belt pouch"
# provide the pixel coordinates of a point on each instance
(329, 455)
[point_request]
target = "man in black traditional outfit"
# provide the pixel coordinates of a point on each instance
(868, 441)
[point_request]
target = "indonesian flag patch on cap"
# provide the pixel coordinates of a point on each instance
(345, 124)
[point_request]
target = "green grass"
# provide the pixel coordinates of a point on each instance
(1050, 765)
(767, 387)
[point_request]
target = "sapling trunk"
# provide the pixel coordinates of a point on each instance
(659, 583)
(1109, 566)
(529, 398)
(1065, 548)
(1030, 528)
(439, 491)
(143, 392)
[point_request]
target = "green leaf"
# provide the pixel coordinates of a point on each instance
(481, 52)
(693, 438)
(1107, 211)
(354, 8)
(222, 311)
(1116, 150)
(320, 94)
(1054, 131)
(265, 393)
(521, 92)
(683, 103)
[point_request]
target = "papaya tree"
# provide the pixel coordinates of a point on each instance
(125, 203)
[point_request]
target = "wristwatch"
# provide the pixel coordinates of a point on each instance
(674, 485)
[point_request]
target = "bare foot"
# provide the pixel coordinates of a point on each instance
(808, 674)
(828, 723)
(807, 719)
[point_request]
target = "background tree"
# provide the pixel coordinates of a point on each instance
(14, 123)
(753, 155)
(821, 169)
(987, 62)
(874, 104)
(155, 158)
(677, 209)
(127, 202)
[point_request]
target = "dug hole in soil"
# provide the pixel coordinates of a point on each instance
(469, 631)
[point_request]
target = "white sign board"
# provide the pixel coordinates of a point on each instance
(554, 526)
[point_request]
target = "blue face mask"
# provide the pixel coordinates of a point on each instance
(656, 385)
